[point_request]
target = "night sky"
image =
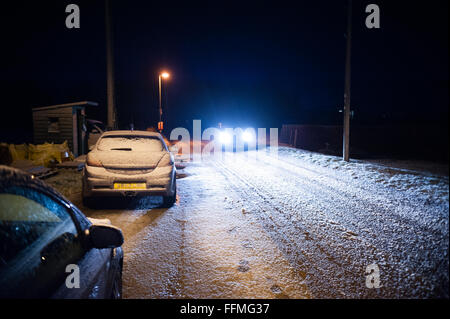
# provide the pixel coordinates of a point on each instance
(260, 64)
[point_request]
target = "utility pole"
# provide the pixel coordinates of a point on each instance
(348, 68)
(111, 113)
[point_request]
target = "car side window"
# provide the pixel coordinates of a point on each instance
(38, 239)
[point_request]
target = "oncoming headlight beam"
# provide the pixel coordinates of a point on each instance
(225, 138)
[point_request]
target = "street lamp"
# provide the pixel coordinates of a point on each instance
(163, 75)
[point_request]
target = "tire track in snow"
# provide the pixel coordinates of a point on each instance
(308, 263)
(331, 197)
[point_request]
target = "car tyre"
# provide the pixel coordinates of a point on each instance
(116, 292)
(169, 201)
(87, 201)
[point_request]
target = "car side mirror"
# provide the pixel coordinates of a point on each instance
(91, 147)
(105, 236)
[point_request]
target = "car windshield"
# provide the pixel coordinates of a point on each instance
(130, 143)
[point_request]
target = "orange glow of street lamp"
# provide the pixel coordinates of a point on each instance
(163, 75)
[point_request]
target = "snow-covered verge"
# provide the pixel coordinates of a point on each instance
(67, 182)
(426, 180)
(333, 219)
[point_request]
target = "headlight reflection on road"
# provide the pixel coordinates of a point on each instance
(247, 136)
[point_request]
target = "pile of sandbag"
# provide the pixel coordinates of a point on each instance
(46, 154)
(18, 151)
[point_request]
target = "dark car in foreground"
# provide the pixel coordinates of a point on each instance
(49, 249)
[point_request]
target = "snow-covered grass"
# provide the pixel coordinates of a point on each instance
(419, 177)
(334, 218)
(67, 182)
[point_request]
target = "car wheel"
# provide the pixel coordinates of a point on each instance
(116, 292)
(87, 201)
(169, 201)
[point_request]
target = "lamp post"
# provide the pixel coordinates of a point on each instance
(163, 75)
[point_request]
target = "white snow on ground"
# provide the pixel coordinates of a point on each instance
(67, 182)
(206, 247)
(424, 179)
(336, 218)
(299, 225)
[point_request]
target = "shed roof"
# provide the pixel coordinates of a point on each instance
(83, 103)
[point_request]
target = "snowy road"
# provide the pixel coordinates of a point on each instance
(299, 225)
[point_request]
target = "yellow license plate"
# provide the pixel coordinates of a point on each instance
(130, 186)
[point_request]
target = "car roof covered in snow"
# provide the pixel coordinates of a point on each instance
(131, 133)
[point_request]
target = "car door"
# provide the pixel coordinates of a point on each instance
(39, 239)
(96, 270)
(93, 270)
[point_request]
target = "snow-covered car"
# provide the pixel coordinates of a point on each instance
(49, 249)
(128, 164)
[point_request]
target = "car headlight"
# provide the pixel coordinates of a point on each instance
(225, 138)
(247, 137)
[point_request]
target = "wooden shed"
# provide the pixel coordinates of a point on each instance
(58, 123)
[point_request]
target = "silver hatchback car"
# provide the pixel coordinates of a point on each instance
(130, 163)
